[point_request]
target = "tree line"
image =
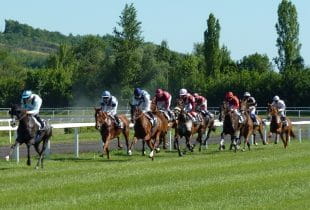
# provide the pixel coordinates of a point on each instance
(74, 70)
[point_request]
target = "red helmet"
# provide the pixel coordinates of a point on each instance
(229, 95)
(159, 92)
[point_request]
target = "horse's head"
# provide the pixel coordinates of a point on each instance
(17, 113)
(243, 106)
(101, 118)
(223, 111)
(272, 110)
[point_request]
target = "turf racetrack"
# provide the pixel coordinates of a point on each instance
(268, 177)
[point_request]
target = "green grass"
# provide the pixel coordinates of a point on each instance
(268, 177)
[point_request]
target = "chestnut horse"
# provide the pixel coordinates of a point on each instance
(109, 131)
(27, 132)
(256, 128)
(277, 127)
(248, 128)
(231, 126)
(143, 129)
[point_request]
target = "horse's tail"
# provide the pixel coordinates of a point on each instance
(292, 134)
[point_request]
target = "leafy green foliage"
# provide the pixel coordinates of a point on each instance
(288, 42)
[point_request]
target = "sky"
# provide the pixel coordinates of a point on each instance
(247, 26)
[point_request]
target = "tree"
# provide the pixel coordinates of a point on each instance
(255, 62)
(127, 42)
(211, 47)
(287, 42)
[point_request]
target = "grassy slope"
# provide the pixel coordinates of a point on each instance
(267, 177)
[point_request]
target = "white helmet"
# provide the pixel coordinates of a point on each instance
(276, 98)
(183, 92)
(247, 94)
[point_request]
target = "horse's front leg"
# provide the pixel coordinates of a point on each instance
(11, 150)
(126, 135)
(151, 146)
(106, 147)
(189, 146)
(28, 154)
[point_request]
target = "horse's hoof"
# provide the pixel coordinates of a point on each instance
(129, 153)
(7, 158)
(243, 150)
(36, 168)
(151, 155)
(157, 150)
(256, 144)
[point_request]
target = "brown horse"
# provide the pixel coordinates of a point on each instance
(209, 123)
(277, 127)
(144, 129)
(248, 128)
(185, 127)
(256, 127)
(231, 126)
(109, 131)
(165, 125)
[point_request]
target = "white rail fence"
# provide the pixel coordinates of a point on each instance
(79, 125)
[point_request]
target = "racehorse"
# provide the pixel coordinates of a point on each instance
(231, 126)
(28, 132)
(256, 127)
(143, 129)
(248, 128)
(277, 127)
(209, 123)
(109, 131)
(165, 125)
(185, 127)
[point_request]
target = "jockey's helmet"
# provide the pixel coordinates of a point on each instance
(26, 94)
(196, 95)
(159, 92)
(106, 94)
(229, 95)
(137, 92)
(247, 94)
(276, 98)
(183, 92)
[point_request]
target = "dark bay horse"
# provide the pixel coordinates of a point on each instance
(109, 131)
(185, 127)
(27, 132)
(277, 127)
(231, 126)
(143, 129)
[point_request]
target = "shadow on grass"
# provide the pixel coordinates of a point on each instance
(96, 158)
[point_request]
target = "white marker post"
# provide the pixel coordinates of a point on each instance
(76, 142)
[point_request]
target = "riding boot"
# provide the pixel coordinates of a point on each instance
(40, 121)
(153, 121)
(117, 121)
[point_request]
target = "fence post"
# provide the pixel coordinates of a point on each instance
(76, 142)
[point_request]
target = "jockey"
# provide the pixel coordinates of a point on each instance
(251, 103)
(109, 105)
(201, 105)
(142, 100)
(162, 100)
(32, 103)
(280, 105)
(233, 104)
(189, 103)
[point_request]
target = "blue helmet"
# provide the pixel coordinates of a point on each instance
(106, 94)
(137, 92)
(26, 94)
